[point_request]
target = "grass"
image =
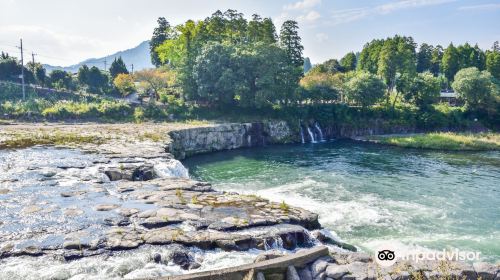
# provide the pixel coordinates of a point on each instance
(444, 141)
(58, 138)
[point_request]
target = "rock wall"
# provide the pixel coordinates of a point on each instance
(187, 142)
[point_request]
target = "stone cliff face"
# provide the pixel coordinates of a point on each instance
(192, 141)
(187, 142)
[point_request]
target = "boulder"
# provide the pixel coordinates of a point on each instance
(319, 266)
(305, 274)
(335, 271)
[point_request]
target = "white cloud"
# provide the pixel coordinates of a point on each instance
(322, 37)
(483, 7)
(309, 17)
(51, 46)
(304, 4)
(349, 15)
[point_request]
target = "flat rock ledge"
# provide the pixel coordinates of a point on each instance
(180, 211)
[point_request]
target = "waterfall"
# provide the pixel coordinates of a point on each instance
(321, 138)
(302, 134)
(311, 134)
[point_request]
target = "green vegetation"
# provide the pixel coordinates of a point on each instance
(444, 141)
(230, 68)
(42, 138)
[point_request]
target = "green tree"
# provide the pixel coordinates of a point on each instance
(365, 89)
(424, 58)
(83, 75)
(388, 64)
(348, 62)
(160, 34)
(369, 56)
(421, 90)
(493, 63)
(10, 69)
(437, 57)
(474, 87)
(290, 41)
(117, 67)
(93, 78)
(60, 79)
(451, 62)
(40, 74)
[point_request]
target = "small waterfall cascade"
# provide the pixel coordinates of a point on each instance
(318, 128)
(311, 134)
(302, 134)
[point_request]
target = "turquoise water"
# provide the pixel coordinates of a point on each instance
(370, 195)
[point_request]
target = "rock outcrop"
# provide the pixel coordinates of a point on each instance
(191, 141)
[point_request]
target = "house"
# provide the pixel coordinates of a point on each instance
(448, 96)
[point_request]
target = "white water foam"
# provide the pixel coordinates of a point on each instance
(136, 264)
(170, 168)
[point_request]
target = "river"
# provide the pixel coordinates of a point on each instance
(370, 195)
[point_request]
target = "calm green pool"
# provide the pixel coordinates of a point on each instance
(370, 195)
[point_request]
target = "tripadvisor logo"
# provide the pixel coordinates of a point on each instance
(387, 255)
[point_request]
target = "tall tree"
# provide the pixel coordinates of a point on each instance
(369, 56)
(424, 58)
(437, 57)
(117, 67)
(290, 41)
(160, 34)
(236, 26)
(388, 64)
(493, 63)
(261, 30)
(348, 62)
(83, 74)
(451, 62)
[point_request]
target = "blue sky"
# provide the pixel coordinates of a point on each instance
(64, 32)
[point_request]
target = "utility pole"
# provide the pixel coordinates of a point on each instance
(22, 68)
(132, 68)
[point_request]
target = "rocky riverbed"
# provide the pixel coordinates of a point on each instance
(74, 200)
(109, 201)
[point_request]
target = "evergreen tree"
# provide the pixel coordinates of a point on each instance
(369, 57)
(424, 58)
(451, 62)
(290, 41)
(437, 57)
(348, 62)
(117, 67)
(493, 63)
(160, 35)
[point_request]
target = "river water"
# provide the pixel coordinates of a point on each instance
(371, 195)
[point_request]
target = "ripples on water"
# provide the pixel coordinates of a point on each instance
(371, 194)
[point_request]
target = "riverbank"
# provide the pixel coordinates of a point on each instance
(441, 141)
(122, 195)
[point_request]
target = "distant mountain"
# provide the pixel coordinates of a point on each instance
(138, 56)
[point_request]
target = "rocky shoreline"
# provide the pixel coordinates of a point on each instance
(143, 197)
